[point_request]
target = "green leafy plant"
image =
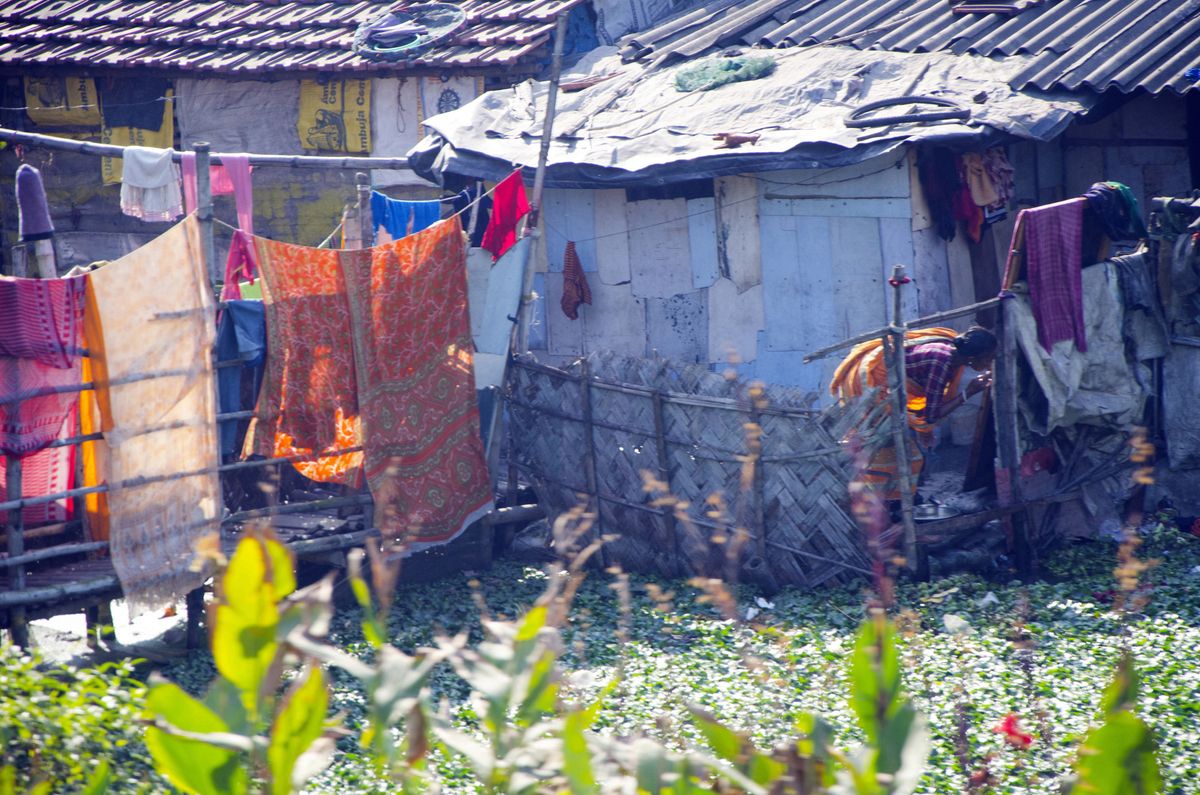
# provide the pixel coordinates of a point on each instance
(251, 729)
(58, 722)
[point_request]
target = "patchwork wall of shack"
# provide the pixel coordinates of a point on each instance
(770, 267)
(774, 265)
(290, 204)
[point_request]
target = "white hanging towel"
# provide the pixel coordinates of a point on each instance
(150, 185)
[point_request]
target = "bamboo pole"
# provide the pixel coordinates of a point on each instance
(294, 161)
(921, 322)
(16, 545)
(539, 181)
(589, 445)
(204, 212)
(366, 224)
(366, 237)
(898, 389)
(664, 474)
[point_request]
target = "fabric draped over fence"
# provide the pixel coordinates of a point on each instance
(41, 325)
(150, 335)
(373, 346)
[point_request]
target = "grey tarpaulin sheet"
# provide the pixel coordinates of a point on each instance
(1093, 388)
(636, 128)
(240, 115)
(1181, 385)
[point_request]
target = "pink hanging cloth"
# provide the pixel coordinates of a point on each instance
(1053, 255)
(41, 323)
(233, 176)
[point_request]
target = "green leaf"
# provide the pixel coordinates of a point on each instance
(244, 622)
(541, 691)
(298, 724)
(190, 764)
(224, 698)
(577, 760)
(894, 737)
(532, 623)
(1118, 758)
(652, 765)
(725, 742)
(1122, 691)
(101, 778)
(874, 676)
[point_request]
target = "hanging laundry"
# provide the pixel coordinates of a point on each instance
(478, 216)
(62, 101)
(150, 185)
(1053, 251)
(33, 212)
(509, 206)
(41, 323)
(1117, 209)
(233, 176)
(1147, 335)
(309, 375)
(503, 299)
(50, 470)
(402, 218)
(241, 337)
(939, 182)
(965, 208)
(240, 265)
(576, 290)
(112, 168)
(150, 353)
(133, 102)
(983, 192)
(1000, 172)
(424, 456)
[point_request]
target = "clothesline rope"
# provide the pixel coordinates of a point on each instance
(343, 162)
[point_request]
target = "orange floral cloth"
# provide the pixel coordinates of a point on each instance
(309, 398)
(372, 347)
(424, 457)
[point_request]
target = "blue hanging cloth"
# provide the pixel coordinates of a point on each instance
(395, 215)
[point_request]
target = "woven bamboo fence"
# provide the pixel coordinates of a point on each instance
(588, 433)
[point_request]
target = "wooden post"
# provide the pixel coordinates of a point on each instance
(539, 181)
(366, 224)
(204, 212)
(898, 389)
(365, 231)
(1008, 481)
(1004, 406)
(589, 443)
(16, 545)
(195, 616)
(664, 474)
(758, 486)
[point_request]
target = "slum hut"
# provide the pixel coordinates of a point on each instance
(271, 78)
(764, 215)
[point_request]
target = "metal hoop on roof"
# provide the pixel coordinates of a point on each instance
(401, 32)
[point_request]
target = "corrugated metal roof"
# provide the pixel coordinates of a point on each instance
(247, 37)
(1099, 45)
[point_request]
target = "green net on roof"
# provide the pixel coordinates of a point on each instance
(716, 72)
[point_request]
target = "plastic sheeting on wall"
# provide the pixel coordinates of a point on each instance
(239, 115)
(335, 116)
(62, 101)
